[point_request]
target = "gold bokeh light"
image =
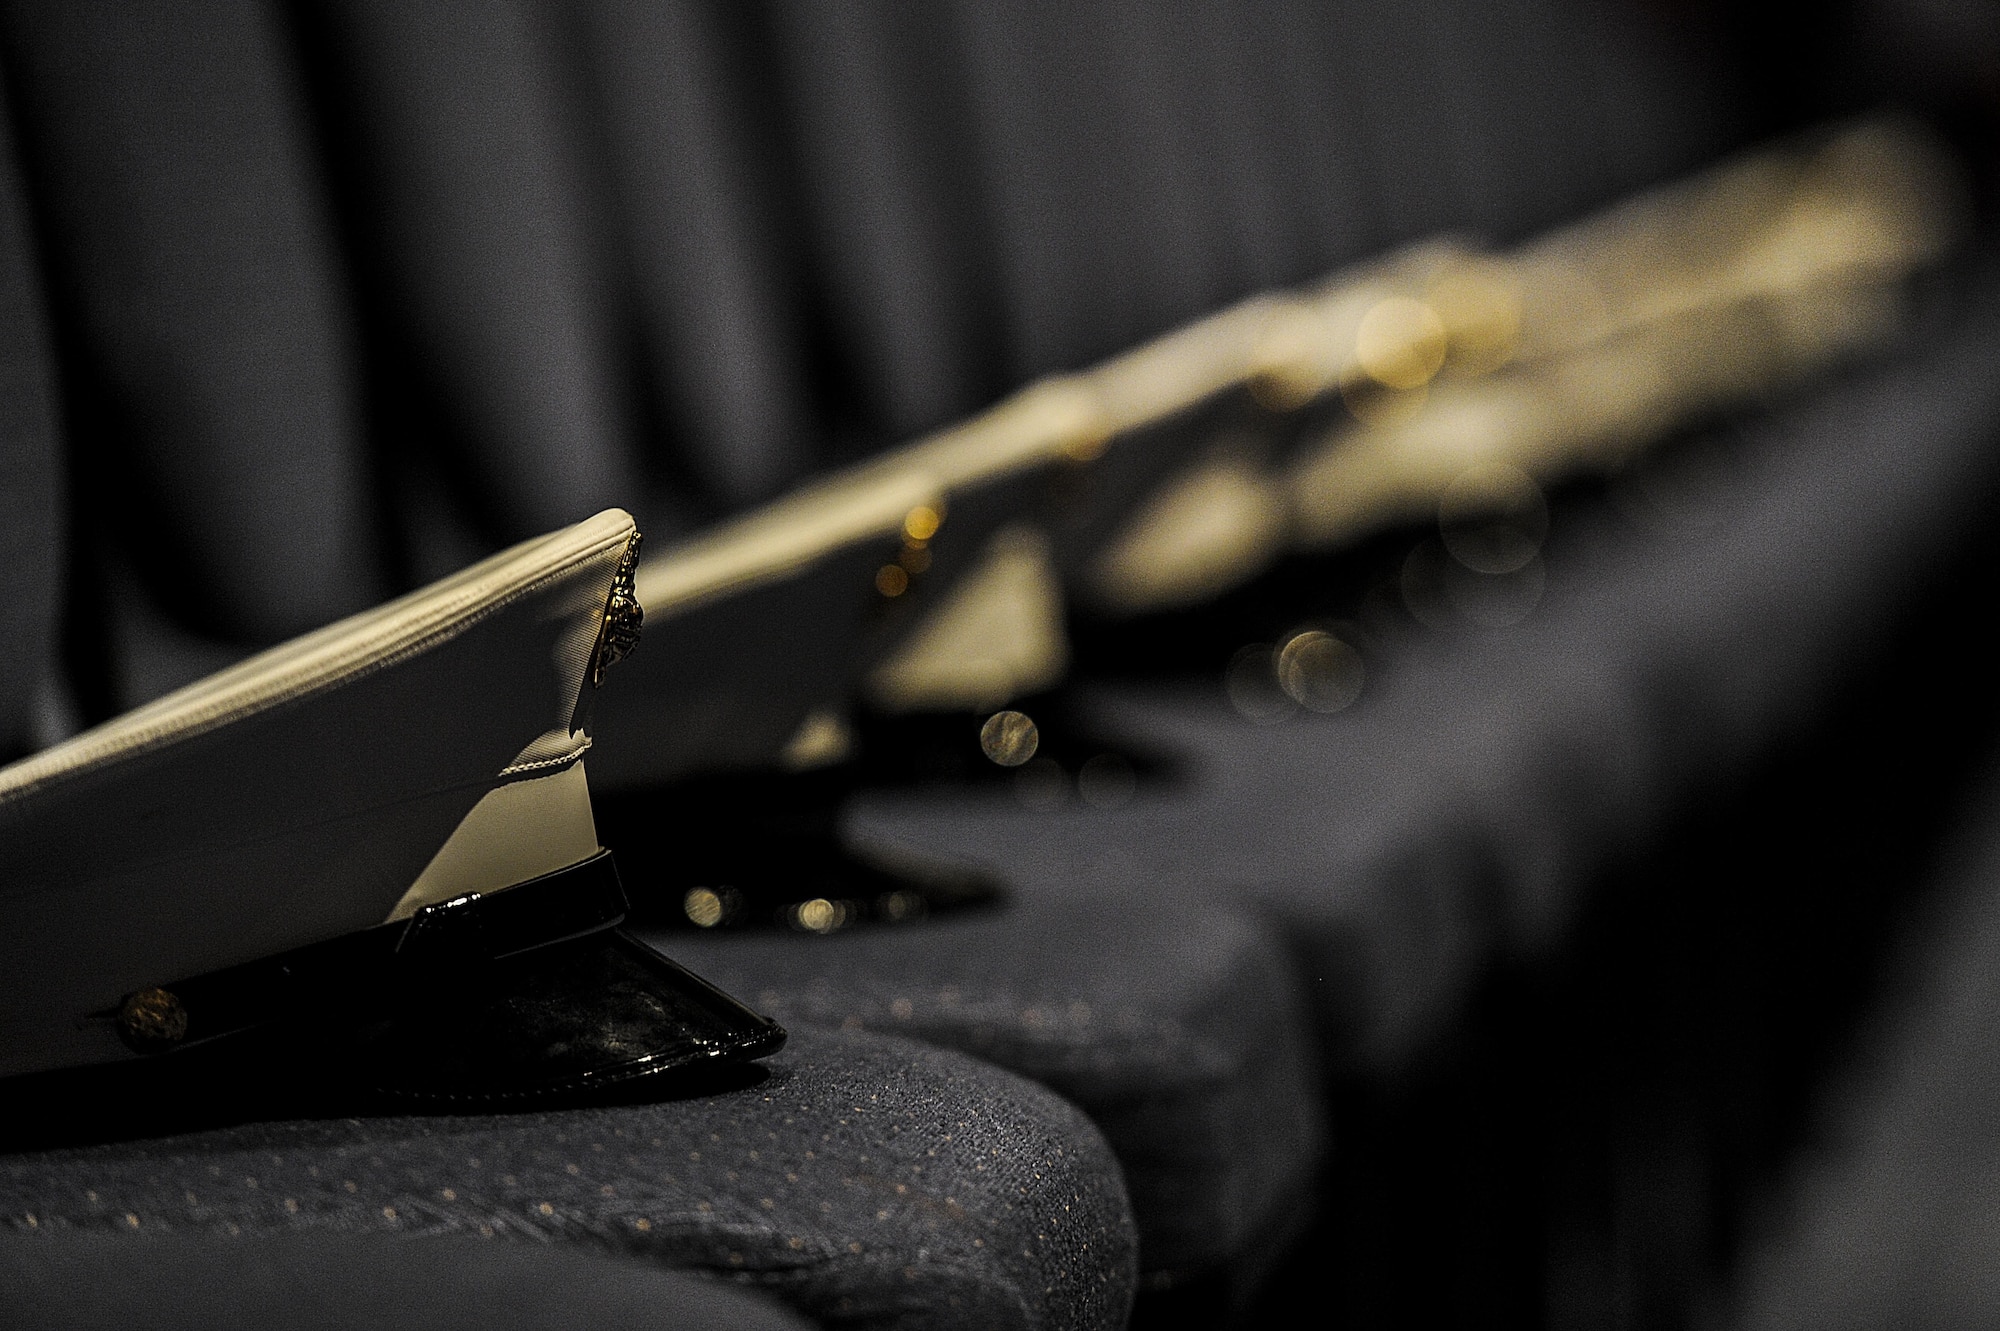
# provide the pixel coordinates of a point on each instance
(1401, 343)
(1319, 671)
(704, 907)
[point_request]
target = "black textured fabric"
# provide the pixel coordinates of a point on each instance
(334, 1282)
(31, 489)
(697, 171)
(1179, 1026)
(208, 341)
(1144, 163)
(481, 222)
(894, 223)
(867, 1182)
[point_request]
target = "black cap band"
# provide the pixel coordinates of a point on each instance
(360, 976)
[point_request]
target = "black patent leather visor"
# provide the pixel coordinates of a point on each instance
(588, 1013)
(528, 994)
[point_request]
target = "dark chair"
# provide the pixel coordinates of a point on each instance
(212, 1279)
(865, 1181)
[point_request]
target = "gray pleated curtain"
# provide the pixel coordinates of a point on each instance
(302, 305)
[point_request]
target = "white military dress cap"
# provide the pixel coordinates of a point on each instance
(382, 829)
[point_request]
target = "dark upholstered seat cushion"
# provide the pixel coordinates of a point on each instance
(82, 1281)
(1455, 819)
(1461, 812)
(1178, 1026)
(867, 1181)
(1890, 1216)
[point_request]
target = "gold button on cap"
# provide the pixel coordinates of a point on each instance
(152, 1021)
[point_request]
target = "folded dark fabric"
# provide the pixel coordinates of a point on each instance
(31, 526)
(1147, 164)
(1179, 1026)
(483, 229)
(868, 1181)
(332, 1282)
(190, 258)
(699, 185)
